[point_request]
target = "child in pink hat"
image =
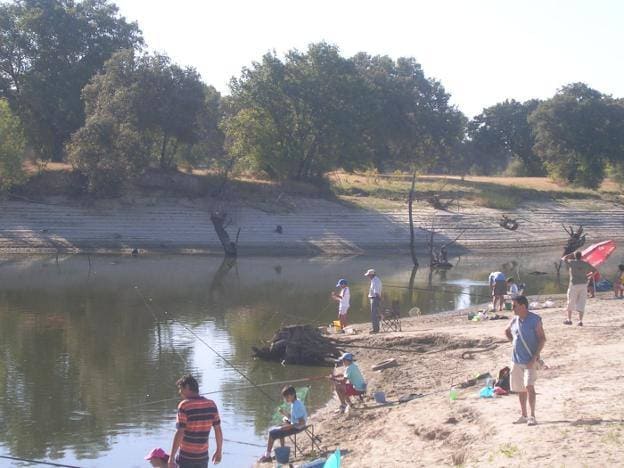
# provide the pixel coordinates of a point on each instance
(158, 458)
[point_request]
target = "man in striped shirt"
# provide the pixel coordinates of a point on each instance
(196, 416)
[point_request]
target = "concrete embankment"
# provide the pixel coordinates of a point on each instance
(309, 227)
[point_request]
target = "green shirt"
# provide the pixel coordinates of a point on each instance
(354, 376)
(579, 269)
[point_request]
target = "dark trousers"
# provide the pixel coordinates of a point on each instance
(182, 463)
(375, 303)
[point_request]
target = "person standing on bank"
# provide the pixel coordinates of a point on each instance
(580, 271)
(374, 296)
(196, 416)
(343, 298)
(526, 332)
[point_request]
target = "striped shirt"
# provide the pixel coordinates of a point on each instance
(196, 416)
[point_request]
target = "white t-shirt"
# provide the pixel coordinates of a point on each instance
(343, 305)
(375, 287)
(513, 289)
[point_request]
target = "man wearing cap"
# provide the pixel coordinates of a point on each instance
(351, 383)
(342, 298)
(374, 296)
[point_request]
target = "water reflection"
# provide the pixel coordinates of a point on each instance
(86, 358)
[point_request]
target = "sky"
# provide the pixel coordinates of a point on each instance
(483, 51)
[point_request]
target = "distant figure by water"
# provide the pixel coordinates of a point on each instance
(374, 296)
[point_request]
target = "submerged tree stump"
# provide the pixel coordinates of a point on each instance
(299, 344)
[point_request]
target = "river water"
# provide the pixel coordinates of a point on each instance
(90, 349)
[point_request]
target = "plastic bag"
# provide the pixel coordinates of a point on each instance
(486, 392)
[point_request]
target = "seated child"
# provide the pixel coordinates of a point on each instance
(512, 288)
(158, 458)
(293, 422)
(351, 383)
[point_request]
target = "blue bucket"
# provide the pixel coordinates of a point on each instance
(282, 454)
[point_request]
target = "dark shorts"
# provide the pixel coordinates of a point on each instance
(182, 463)
(500, 288)
(278, 433)
(351, 391)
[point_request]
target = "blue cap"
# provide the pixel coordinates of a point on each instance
(341, 282)
(345, 357)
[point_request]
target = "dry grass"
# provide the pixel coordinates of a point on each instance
(371, 190)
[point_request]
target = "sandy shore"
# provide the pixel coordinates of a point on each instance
(309, 226)
(580, 402)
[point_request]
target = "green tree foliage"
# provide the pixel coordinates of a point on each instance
(140, 110)
(578, 132)
(300, 117)
(11, 148)
(49, 49)
(501, 135)
(409, 121)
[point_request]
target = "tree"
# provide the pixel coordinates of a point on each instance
(11, 148)
(168, 105)
(410, 121)
(49, 49)
(298, 118)
(577, 132)
(140, 109)
(501, 134)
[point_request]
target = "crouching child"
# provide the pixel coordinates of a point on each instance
(351, 383)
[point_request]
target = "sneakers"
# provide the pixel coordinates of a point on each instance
(567, 322)
(521, 420)
(341, 409)
(532, 421)
(580, 324)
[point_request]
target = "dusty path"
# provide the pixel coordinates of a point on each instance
(580, 406)
(309, 226)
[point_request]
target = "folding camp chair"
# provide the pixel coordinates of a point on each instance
(391, 318)
(309, 432)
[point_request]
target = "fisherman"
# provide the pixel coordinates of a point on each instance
(526, 332)
(196, 416)
(498, 288)
(351, 383)
(374, 296)
(158, 458)
(294, 422)
(342, 298)
(580, 271)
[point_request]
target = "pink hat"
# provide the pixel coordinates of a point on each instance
(157, 453)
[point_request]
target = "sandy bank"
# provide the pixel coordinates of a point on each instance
(309, 226)
(580, 407)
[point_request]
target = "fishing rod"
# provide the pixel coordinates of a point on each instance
(201, 340)
(213, 392)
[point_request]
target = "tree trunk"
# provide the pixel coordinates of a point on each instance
(410, 203)
(163, 152)
(218, 220)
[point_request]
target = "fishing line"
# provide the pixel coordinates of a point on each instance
(201, 340)
(38, 462)
(213, 392)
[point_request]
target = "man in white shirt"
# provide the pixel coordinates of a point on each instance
(374, 295)
(343, 299)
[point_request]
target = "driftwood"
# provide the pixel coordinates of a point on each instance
(219, 221)
(410, 206)
(576, 239)
(438, 203)
(299, 344)
(438, 254)
(508, 223)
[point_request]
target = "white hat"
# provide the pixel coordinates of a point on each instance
(370, 271)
